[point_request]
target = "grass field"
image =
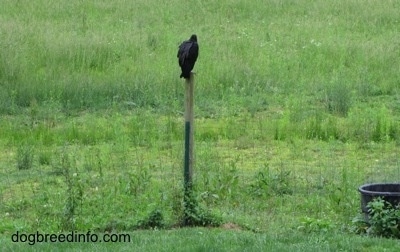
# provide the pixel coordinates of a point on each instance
(297, 104)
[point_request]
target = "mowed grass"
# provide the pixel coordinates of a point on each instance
(297, 105)
(203, 239)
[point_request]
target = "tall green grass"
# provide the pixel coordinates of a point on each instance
(88, 55)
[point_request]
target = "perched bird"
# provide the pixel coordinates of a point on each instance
(187, 54)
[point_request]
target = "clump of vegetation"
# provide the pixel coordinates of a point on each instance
(267, 183)
(312, 225)
(25, 157)
(383, 220)
(154, 220)
(138, 181)
(44, 158)
(195, 215)
(74, 194)
(338, 98)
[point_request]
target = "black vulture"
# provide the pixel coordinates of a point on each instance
(187, 54)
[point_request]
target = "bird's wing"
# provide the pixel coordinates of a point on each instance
(183, 51)
(193, 51)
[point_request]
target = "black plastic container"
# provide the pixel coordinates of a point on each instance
(388, 191)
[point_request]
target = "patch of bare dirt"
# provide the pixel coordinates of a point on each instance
(231, 226)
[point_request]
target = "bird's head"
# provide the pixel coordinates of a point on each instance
(193, 38)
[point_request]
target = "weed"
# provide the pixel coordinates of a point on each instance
(154, 220)
(383, 220)
(25, 157)
(34, 110)
(195, 215)
(227, 183)
(260, 186)
(74, 194)
(314, 129)
(223, 184)
(338, 98)
(384, 129)
(44, 157)
(209, 198)
(93, 161)
(312, 225)
(138, 181)
(359, 224)
(269, 183)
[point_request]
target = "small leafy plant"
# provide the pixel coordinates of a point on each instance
(154, 220)
(383, 221)
(138, 182)
(195, 215)
(311, 225)
(267, 183)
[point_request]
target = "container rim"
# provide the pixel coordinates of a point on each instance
(364, 189)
